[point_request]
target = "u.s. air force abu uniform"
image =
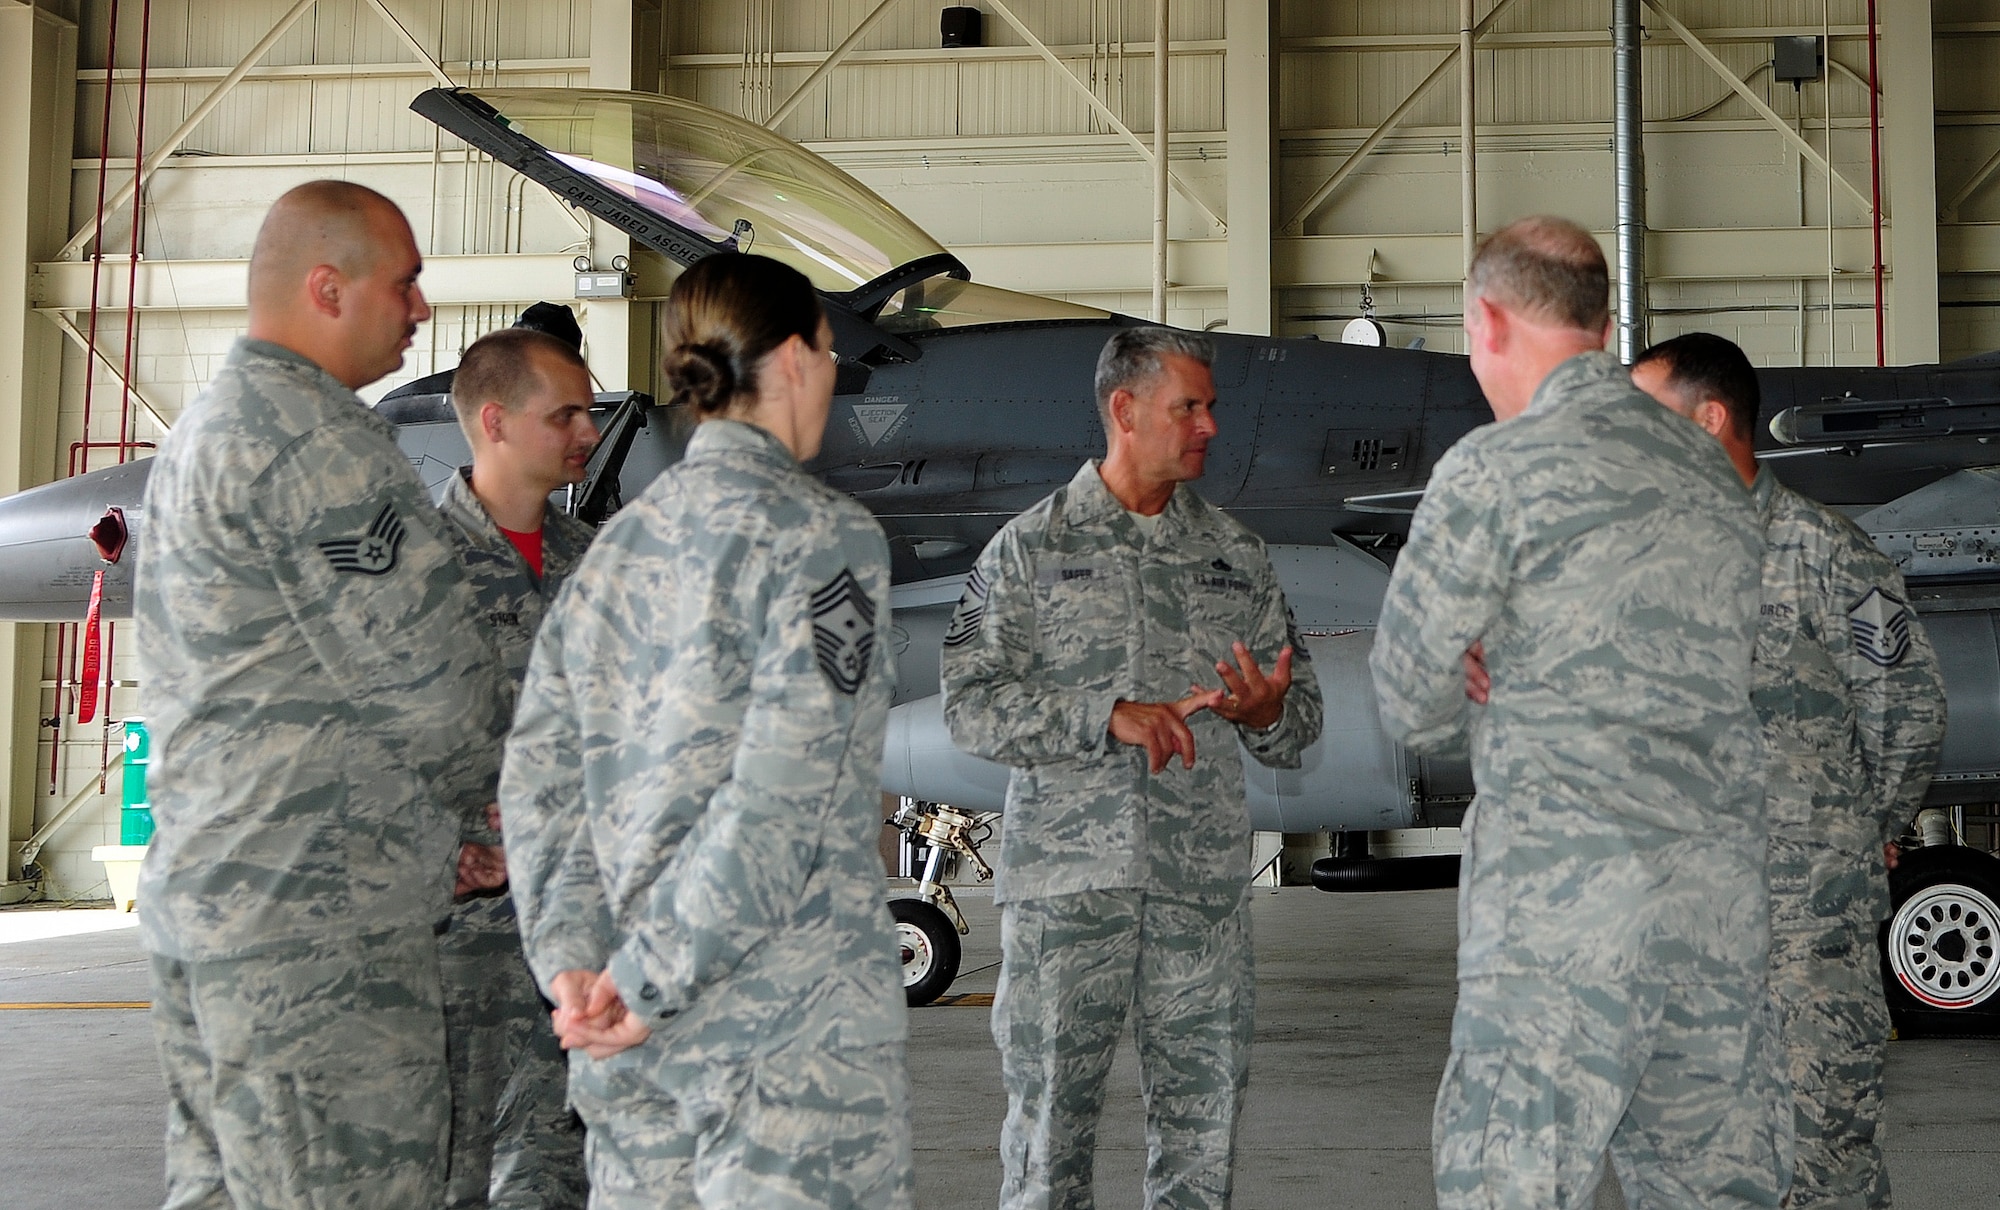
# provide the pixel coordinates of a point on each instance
(1120, 888)
(691, 800)
(1613, 919)
(1852, 703)
(515, 1144)
(318, 706)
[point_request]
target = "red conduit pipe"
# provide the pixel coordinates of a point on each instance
(55, 716)
(132, 265)
(65, 676)
(1874, 171)
(97, 257)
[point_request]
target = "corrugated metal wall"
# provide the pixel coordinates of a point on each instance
(999, 157)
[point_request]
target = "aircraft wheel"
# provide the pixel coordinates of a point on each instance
(1941, 946)
(929, 946)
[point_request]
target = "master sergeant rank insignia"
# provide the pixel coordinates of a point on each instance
(373, 553)
(843, 631)
(1881, 627)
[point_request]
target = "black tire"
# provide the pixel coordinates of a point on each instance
(1941, 944)
(928, 943)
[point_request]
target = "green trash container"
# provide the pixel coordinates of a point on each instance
(135, 816)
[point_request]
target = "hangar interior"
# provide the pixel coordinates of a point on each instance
(1325, 160)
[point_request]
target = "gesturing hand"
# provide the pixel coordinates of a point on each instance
(1161, 727)
(1248, 697)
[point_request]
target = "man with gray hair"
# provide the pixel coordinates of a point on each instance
(1585, 573)
(1125, 848)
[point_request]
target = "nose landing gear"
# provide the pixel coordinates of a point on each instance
(928, 927)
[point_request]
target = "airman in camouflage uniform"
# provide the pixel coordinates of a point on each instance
(1852, 705)
(1613, 918)
(515, 1143)
(1123, 872)
(312, 686)
(691, 802)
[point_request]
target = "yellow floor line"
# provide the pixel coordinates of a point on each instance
(965, 1000)
(48, 1005)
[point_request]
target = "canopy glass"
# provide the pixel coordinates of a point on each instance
(743, 188)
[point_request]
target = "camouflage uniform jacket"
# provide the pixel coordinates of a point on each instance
(1852, 704)
(691, 793)
(1070, 609)
(306, 669)
(1605, 552)
(508, 600)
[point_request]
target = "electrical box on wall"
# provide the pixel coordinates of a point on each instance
(604, 285)
(1797, 59)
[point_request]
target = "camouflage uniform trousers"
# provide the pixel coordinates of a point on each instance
(1681, 1082)
(515, 1143)
(307, 1075)
(802, 1128)
(1827, 982)
(1073, 966)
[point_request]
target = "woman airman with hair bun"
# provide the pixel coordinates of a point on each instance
(691, 795)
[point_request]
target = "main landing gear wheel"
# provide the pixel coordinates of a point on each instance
(929, 945)
(1941, 947)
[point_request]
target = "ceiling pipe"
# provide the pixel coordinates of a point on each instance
(1160, 145)
(1630, 163)
(1874, 175)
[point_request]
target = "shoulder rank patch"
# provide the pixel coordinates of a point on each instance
(1881, 626)
(843, 631)
(373, 553)
(971, 611)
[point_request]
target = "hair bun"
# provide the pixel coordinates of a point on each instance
(702, 376)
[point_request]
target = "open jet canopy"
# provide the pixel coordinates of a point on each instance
(690, 181)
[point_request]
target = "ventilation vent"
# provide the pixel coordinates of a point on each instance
(1351, 452)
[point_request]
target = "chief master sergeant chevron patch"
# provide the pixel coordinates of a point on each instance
(843, 631)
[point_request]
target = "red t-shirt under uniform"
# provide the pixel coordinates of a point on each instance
(530, 546)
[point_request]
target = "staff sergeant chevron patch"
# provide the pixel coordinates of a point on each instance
(373, 553)
(1881, 628)
(843, 631)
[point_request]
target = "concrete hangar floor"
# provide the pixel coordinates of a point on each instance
(1354, 999)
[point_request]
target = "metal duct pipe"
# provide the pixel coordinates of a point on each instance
(1468, 179)
(1160, 123)
(1630, 156)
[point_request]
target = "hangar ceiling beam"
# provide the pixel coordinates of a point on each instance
(1249, 116)
(1297, 223)
(1756, 103)
(172, 142)
(1101, 109)
(1909, 131)
(37, 117)
(68, 328)
(827, 64)
(1734, 254)
(1971, 186)
(220, 285)
(415, 47)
